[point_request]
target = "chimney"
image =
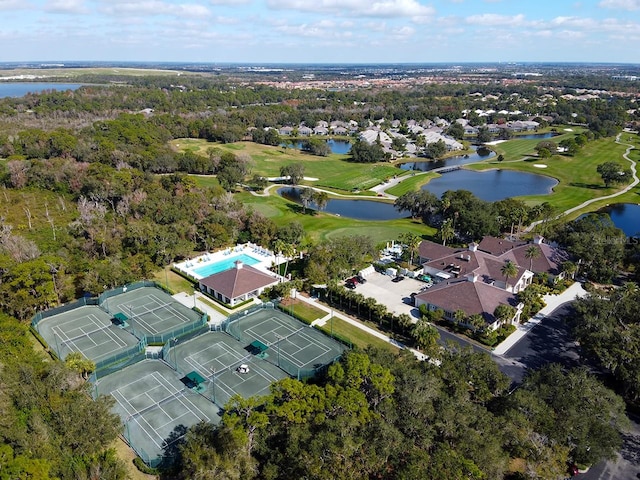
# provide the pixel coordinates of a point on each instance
(238, 264)
(473, 247)
(538, 239)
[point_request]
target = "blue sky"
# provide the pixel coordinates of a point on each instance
(327, 31)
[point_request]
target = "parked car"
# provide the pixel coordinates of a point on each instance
(349, 284)
(361, 279)
(354, 280)
(397, 279)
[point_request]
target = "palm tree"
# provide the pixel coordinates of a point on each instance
(371, 305)
(321, 199)
(446, 231)
(412, 241)
(531, 252)
(509, 270)
(459, 316)
(306, 197)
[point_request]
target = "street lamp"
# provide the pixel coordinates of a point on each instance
(331, 320)
(194, 298)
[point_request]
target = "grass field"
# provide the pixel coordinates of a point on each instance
(579, 180)
(321, 225)
(333, 171)
(411, 183)
(44, 75)
(356, 336)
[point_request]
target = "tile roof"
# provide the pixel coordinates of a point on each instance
(235, 282)
(433, 251)
(497, 246)
(470, 297)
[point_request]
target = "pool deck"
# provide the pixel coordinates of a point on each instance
(265, 257)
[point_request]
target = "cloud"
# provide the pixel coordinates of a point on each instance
(230, 2)
(621, 4)
(495, 20)
(322, 29)
(13, 5)
(156, 7)
(362, 8)
(66, 6)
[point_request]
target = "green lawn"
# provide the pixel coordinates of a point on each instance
(302, 310)
(579, 180)
(515, 149)
(333, 171)
(355, 335)
(411, 183)
(321, 225)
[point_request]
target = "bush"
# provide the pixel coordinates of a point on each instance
(144, 468)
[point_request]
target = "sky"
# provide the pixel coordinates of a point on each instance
(321, 31)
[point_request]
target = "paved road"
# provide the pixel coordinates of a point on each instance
(550, 342)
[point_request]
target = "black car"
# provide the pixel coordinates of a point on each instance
(397, 279)
(361, 279)
(349, 284)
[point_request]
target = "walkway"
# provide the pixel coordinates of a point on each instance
(635, 182)
(331, 312)
(552, 303)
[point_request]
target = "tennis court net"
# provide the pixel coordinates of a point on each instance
(66, 341)
(233, 367)
(282, 339)
(166, 306)
(158, 404)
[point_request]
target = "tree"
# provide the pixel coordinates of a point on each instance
(426, 337)
(532, 252)
(306, 197)
(78, 363)
(320, 198)
(412, 242)
(446, 231)
(484, 135)
(613, 173)
(509, 270)
(504, 313)
(295, 172)
(456, 130)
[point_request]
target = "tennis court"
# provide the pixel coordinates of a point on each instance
(155, 406)
(88, 330)
(292, 345)
(151, 311)
(217, 357)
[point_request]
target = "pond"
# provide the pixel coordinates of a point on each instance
(625, 216)
(341, 147)
(356, 209)
(534, 136)
(426, 166)
(492, 185)
(20, 89)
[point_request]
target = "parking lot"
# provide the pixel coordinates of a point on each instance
(396, 296)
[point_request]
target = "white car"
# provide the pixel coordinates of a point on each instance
(243, 369)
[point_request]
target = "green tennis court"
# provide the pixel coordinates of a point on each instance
(292, 345)
(88, 330)
(217, 357)
(150, 311)
(156, 406)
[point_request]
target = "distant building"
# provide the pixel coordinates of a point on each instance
(238, 284)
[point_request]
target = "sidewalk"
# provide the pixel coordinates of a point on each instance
(553, 302)
(215, 317)
(341, 316)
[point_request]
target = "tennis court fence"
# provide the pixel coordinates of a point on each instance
(67, 307)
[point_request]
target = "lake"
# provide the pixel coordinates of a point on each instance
(356, 209)
(341, 147)
(426, 166)
(625, 216)
(20, 89)
(492, 185)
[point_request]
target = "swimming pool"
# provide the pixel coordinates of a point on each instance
(224, 264)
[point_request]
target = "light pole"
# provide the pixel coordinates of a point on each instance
(331, 320)
(278, 338)
(194, 298)
(174, 341)
(213, 385)
(133, 328)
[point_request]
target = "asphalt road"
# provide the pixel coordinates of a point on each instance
(550, 342)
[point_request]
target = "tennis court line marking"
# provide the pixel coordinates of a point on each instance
(197, 365)
(67, 340)
(163, 383)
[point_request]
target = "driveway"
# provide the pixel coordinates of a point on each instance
(395, 296)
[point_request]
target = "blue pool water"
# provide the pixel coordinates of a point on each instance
(224, 264)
